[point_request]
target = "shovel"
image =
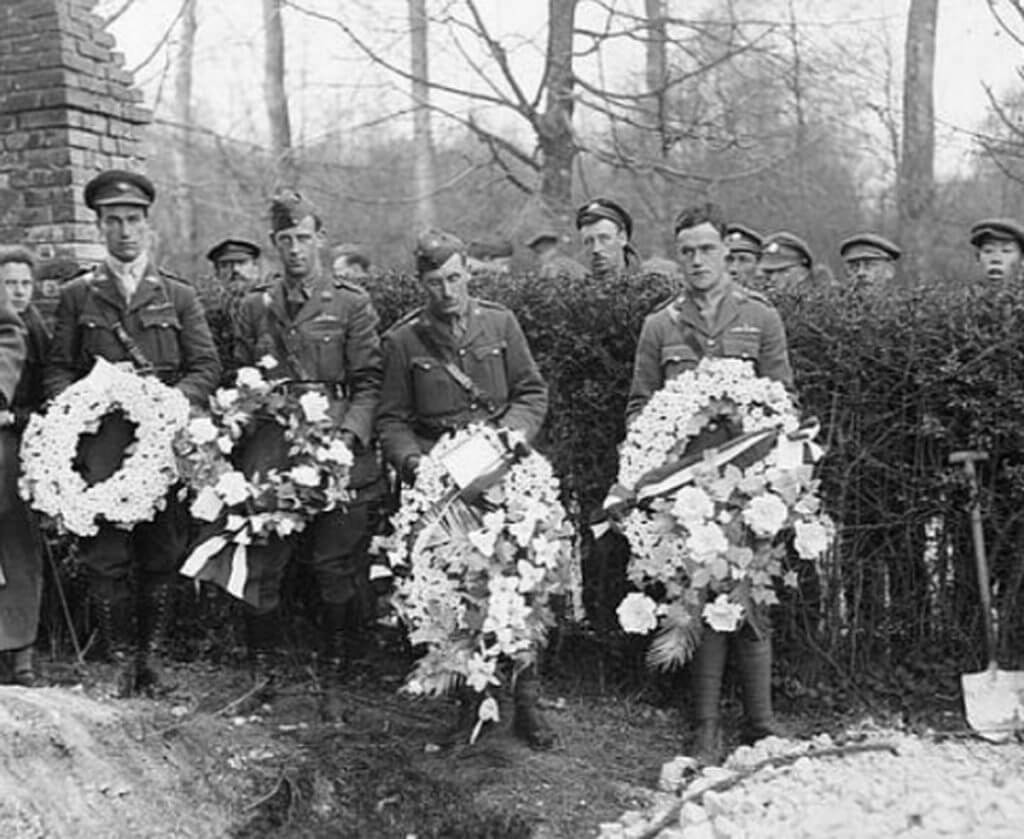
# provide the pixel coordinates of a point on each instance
(993, 698)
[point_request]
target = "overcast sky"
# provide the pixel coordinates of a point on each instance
(327, 75)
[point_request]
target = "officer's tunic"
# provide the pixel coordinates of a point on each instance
(327, 340)
(676, 337)
(165, 321)
(421, 400)
(20, 549)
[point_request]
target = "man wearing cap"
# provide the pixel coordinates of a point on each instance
(350, 263)
(322, 332)
(552, 263)
(714, 317)
(869, 261)
(605, 230)
(456, 361)
(998, 244)
(785, 262)
(490, 256)
(130, 313)
(236, 264)
(744, 252)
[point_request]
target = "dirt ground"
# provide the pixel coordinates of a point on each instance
(199, 763)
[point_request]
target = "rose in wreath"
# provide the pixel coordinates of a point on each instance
(711, 550)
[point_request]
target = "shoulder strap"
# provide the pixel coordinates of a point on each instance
(460, 378)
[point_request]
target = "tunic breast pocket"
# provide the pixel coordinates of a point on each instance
(486, 367)
(98, 339)
(324, 347)
(160, 338)
(741, 345)
(677, 358)
(434, 391)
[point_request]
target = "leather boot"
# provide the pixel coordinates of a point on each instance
(156, 620)
(24, 667)
(116, 623)
(707, 668)
(754, 668)
(528, 722)
(334, 661)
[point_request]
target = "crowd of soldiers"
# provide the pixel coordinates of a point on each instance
(454, 361)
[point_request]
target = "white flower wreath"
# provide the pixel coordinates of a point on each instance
(474, 583)
(138, 489)
(711, 548)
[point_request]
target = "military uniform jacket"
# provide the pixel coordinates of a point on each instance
(420, 399)
(164, 320)
(676, 337)
(12, 353)
(332, 341)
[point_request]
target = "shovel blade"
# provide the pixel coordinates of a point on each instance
(994, 702)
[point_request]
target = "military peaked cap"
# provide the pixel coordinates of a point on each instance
(434, 248)
(869, 246)
(119, 186)
(742, 239)
(605, 208)
(354, 254)
(233, 249)
(491, 248)
(783, 250)
(288, 209)
(544, 235)
(1006, 229)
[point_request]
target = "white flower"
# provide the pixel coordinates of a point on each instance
(250, 377)
(692, 506)
(812, 539)
(207, 504)
(530, 575)
(202, 430)
(637, 613)
(766, 514)
(314, 406)
(225, 398)
(706, 541)
(480, 672)
(337, 452)
(232, 487)
(305, 475)
(488, 711)
(267, 362)
(723, 614)
(225, 444)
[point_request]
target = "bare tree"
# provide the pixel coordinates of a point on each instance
(274, 91)
(917, 159)
(423, 142)
(181, 152)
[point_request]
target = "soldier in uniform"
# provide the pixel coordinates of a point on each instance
(786, 263)
(456, 361)
(744, 252)
(553, 264)
(322, 332)
(605, 230)
(999, 245)
(869, 261)
(128, 312)
(236, 265)
(714, 317)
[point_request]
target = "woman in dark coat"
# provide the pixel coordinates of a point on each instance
(20, 548)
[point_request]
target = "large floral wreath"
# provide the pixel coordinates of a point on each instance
(481, 545)
(305, 471)
(711, 550)
(134, 493)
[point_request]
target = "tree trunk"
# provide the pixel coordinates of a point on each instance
(554, 129)
(274, 92)
(917, 163)
(656, 65)
(181, 151)
(423, 143)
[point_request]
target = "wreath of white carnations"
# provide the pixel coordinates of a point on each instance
(312, 477)
(712, 550)
(138, 489)
(474, 582)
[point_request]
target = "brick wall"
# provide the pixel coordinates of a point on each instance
(67, 110)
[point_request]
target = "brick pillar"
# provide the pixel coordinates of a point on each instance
(67, 110)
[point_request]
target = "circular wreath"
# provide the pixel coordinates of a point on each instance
(138, 489)
(475, 574)
(712, 550)
(303, 472)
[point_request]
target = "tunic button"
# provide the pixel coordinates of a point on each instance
(462, 352)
